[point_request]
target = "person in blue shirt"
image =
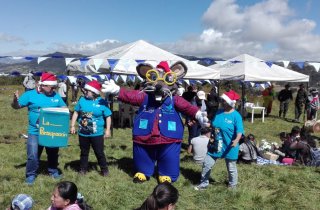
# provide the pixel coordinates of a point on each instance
(91, 111)
(42, 97)
(228, 129)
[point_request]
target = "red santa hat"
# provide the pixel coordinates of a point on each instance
(94, 86)
(230, 98)
(48, 79)
(164, 66)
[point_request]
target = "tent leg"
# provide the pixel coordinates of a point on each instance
(243, 101)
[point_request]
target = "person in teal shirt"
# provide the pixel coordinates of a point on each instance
(228, 129)
(91, 111)
(42, 97)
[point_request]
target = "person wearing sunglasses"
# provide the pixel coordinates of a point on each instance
(158, 128)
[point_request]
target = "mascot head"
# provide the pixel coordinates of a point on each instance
(161, 80)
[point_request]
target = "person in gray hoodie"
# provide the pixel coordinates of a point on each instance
(29, 82)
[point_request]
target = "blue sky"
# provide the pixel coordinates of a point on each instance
(270, 29)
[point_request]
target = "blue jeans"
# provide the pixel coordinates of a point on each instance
(33, 154)
(209, 162)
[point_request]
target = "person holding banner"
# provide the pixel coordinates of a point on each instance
(91, 111)
(43, 96)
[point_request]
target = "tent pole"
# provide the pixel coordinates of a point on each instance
(243, 98)
(111, 108)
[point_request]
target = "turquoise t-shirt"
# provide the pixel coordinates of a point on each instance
(91, 116)
(34, 101)
(227, 126)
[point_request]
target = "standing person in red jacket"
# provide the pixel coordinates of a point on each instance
(268, 96)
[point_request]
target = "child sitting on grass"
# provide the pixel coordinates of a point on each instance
(65, 196)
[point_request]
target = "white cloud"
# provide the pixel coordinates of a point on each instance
(268, 29)
(90, 48)
(87, 48)
(4, 37)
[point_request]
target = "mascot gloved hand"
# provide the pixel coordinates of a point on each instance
(202, 118)
(110, 87)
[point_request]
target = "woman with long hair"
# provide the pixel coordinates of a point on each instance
(164, 196)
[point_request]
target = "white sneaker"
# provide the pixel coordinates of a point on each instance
(199, 187)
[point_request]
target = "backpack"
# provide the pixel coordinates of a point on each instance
(315, 157)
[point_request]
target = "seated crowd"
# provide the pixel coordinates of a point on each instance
(65, 196)
(297, 147)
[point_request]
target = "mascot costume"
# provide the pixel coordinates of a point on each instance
(157, 128)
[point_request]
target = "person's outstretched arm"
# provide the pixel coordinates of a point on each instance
(15, 104)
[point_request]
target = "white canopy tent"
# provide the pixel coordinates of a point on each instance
(248, 68)
(251, 69)
(124, 59)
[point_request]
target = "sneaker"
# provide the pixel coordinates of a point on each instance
(56, 175)
(30, 180)
(104, 172)
(200, 187)
(82, 172)
(234, 187)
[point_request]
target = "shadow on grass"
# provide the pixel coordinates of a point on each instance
(43, 167)
(186, 158)
(122, 147)
(75, 166)
(125, 164)
(8, 139)
(192, 175)
(184, 146)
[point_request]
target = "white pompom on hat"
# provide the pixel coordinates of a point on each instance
(94, 86)
(230, 98)
(48, 79)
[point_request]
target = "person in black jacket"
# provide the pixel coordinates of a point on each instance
(285, 96)
(212, 103)
(301, 100)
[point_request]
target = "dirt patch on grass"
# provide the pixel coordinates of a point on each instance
(8, 139)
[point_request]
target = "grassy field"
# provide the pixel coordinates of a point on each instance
(260, 187)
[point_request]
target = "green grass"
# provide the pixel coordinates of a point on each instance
(260, 187)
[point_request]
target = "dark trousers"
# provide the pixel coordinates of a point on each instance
(52, 155)
(65, 99)
(284, 105)
(97, 143)
(311, 114)
(298, 110)
(194, 131)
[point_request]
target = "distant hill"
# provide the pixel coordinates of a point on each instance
(56, 64)
(202, 61)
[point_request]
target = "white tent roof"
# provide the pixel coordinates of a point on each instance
(124, 59)
(249, 68)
